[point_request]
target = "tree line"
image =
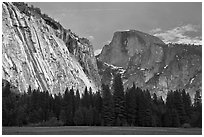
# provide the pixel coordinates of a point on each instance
(108, 107)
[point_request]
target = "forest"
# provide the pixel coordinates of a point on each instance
(112, 106)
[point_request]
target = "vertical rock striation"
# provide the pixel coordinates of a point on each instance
(39, 52)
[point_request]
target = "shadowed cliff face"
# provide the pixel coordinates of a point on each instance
(126, 44)
(39, 53)
(151, 64)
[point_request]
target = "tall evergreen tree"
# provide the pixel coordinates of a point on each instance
(97, 110)
(171, 118)
(155, 99)
(131, 105)
(119, 101)
(91, 97)
(148, 119)
(67, 107)
(107, 106)
(187, 105)
(85, 99)
(197, 114)
(197, 100)
(175, 118)
(72, 105)
(179, 106)
(77, 99)
(57, 105)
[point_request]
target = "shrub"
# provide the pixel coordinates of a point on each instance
(52, 122)
(186, 125)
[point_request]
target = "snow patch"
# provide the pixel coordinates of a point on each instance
(121, 71)
(142, 69)
(112, 66)
(192, 80)
(124, 30)
(166, 66)
(97, 52)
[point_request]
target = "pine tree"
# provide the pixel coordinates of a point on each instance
(67, 107)
(187, 105)
(148, 119)
(44, 97)
(107, 106)
(97, 110)
(72, 105)
(155, 99)
(29, 90)
(131, 106)
(79, 117)
(119, 101)
(197, 114)
(62, 116)
(142, 106)
(170, 100)
(57, 105)
(179, 106)
(175, 118)
(158, 111)
(89, 116)
(98, 102)
(139, 107)
(91, 97)
(197, 100)
(77, 99)
(85, 99)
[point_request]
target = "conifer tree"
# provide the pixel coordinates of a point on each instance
(77, 99)
(197, 100)
(85, 99)
(197, 115)
(187, 105)
(67, 107)
(72, 105)
(131, 105)
(179, 106)
(119, 101)
(175, 118)
(107, 106)
(91, 97)
(97, 110)
(57, 105)
(155, 99)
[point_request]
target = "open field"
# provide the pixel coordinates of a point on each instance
(80, 130)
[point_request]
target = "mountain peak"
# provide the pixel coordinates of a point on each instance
(125, 44)
(150, 63)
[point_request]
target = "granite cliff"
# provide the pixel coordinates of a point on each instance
(150, 63)
(38, 51)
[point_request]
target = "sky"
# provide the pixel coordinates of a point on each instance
(172, 22)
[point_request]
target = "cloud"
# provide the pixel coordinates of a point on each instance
(180, 34)
(156, 30)
(97, 52)
(91, 37)
(107, 42)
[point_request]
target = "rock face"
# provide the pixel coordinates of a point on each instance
(39, 52)
(151, 64)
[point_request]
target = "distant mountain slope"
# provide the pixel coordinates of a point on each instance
(38, 51)
(151, 64)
